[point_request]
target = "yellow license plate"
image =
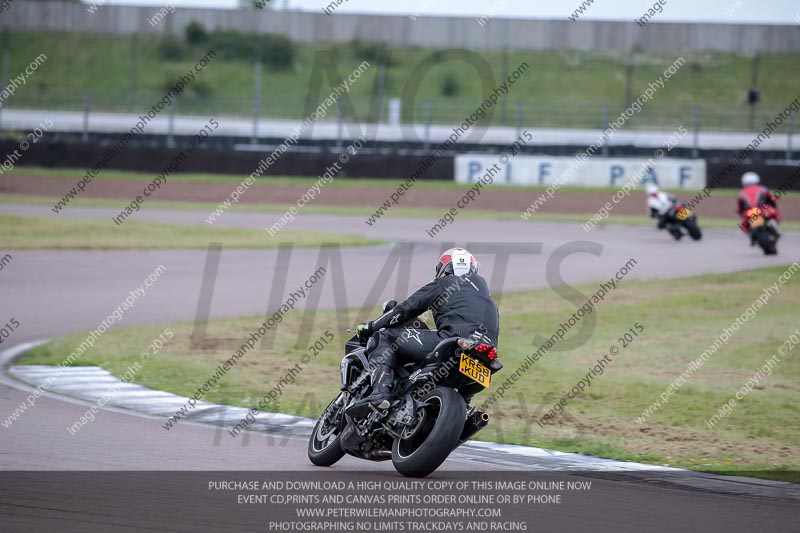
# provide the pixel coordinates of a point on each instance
(474, 370)
(684, 213)
(757, 221)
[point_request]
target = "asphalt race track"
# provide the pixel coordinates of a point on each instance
(53, 293)
(57, 292)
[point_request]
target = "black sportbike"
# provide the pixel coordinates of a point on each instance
(681, 221)
(762, 226)
(428, 417)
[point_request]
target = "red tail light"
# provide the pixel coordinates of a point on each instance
(488, 349)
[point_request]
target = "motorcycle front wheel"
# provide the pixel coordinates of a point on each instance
(675, 231)
(429, 444)
(324, 447)
(694, 230)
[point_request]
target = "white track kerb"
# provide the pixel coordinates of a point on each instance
(91, 384)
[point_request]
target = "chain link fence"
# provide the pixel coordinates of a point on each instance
(437, 111)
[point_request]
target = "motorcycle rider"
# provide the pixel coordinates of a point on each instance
(659, 204)
(462, 306)
(753, 194)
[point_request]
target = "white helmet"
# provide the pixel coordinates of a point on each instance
(750, 178)
(456, 262)
(651, 189)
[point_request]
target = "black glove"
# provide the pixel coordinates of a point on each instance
(364, 332)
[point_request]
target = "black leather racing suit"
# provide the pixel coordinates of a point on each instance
(462, 306)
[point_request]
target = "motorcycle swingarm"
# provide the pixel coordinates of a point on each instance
(404, 415)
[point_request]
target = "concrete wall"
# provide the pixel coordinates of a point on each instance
(429, 32)
(218, 160)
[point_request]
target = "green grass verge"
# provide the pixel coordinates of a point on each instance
(74, 174)
(681, 318)
(34, 233)
(365, 211)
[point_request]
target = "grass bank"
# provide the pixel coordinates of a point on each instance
(561, 88)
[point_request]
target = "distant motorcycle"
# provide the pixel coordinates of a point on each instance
(761, 225)
(428, 417)
(682, 221)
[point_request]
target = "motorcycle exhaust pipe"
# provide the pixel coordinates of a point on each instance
(474, 424)
(382, 454)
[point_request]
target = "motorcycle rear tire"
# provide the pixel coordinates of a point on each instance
(427, 450)
(767, 242)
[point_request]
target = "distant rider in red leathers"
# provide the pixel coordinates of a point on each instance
(752, 195)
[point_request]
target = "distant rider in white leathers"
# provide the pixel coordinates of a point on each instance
(659, 204)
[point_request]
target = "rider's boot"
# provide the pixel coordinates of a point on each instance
(382, 379)
(380, 398)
